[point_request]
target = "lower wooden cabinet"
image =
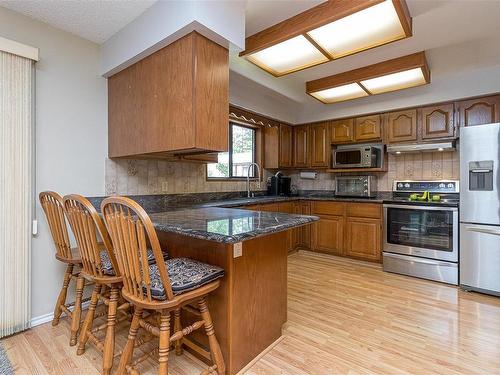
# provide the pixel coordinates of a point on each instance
(348, 229)
(328, 235)
(301, 236)
(363, 238)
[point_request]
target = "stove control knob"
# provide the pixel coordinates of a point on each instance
(400, 185)
(450, 185)
(407, 185)
(441, 185)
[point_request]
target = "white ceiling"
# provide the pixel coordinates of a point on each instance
(437, 24)
(91, 19)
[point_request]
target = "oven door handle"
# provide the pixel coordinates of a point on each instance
(482, 230)
(421, 208)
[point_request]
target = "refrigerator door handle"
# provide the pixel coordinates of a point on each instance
(483, 230)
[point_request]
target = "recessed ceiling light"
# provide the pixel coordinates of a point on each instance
(365, 29)
(396, 74)
(288, 56)
(340, 93)
(330, 30)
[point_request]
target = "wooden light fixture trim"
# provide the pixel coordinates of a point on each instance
(313, 18)
(400, 64)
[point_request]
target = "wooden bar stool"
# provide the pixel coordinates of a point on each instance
(52, 205)
(99, 266)
(160, 288)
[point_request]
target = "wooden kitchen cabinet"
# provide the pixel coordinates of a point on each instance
(401, 126)
(342, 131)
(285, 146)
(368, 128)
(479, 111)
(320, 145)
(174, 101)
(363, 238)
(301, 154)
(437, 121)
(302, 235)
(272, 147)
(328, 235)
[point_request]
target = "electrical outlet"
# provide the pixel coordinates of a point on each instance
(164, 186)
(237, 250)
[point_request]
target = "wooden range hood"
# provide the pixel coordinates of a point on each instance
(173, 102)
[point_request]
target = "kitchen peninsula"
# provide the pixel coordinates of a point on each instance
(250, 306)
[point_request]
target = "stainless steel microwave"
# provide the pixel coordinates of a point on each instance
(361, 156)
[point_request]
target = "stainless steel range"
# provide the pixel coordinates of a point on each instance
(421, 236)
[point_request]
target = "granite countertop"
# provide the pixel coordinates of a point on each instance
(226, 225)
(212, 216)
(236, 202)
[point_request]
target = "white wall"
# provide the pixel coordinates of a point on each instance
(252, 96)
(457, 71)
(71, 127)
(163, 23)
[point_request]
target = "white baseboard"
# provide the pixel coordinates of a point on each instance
(42, 319)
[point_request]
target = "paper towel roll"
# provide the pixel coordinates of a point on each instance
(308, 175)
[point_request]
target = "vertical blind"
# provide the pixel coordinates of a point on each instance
(16, 140)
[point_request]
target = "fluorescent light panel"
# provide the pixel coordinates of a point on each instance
(395, 81)
(371, 27)
(288, 56)
(340, 93)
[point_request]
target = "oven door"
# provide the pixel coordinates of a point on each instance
(423, 231)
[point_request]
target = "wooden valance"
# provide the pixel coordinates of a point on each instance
(253, 119)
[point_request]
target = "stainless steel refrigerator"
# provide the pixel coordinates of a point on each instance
(480, 208)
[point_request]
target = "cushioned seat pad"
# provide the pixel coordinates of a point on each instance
(185, 274)
(107, 267)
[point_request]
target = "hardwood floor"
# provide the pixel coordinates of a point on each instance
(344, 317)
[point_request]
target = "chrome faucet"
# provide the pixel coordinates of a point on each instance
(249, 194)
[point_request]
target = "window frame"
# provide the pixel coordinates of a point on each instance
(230, 151)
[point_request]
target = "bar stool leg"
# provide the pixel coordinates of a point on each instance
(128, 351)
(77, 312)
(212, 340)
(178, 327)
(109, 342)
(164, 342)
(61, 300)
(89, 320)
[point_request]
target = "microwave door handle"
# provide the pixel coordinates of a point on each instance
(483, 230)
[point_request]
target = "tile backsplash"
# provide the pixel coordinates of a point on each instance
(421, 166)
(133, 177)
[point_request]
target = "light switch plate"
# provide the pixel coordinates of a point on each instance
(237, 250)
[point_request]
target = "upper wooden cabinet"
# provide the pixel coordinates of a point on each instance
(320, 145)
(479, 111)
(271, 147)
(301, 153)
(368, 128)
(342, 131)
(437, 121)
(401, 126)
(171, 102)
(285, 146)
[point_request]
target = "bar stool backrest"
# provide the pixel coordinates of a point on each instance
(52, 204)
(131, 230)
(86, 225)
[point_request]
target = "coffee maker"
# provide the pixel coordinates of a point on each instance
(279, 185)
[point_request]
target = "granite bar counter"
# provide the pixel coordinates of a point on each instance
(226, 225)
